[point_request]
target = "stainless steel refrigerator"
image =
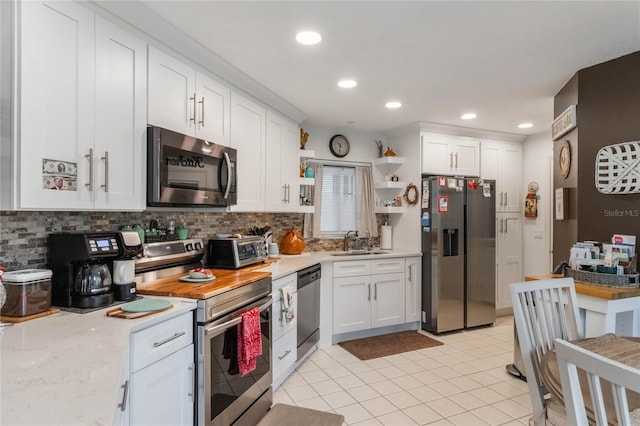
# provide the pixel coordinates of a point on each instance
(458, 223)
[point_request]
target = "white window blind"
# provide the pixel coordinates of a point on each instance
(338, 213)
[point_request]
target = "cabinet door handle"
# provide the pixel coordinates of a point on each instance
(106, 171)
(410, 279)
(125, 394)
(193, 116)
(89, 156)
(369, 295)
(168, 339)
(375, 291)
(451, 160)
(506, 200)
(284, 194)
(201, 102)
(193, 381)
(456, 161)
(506, 226)
(501, 225)
(284, 355)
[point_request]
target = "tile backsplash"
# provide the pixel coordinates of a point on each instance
(24, 235)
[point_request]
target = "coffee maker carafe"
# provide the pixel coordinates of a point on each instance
(80, 262)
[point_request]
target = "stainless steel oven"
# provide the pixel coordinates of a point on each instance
(224, 397)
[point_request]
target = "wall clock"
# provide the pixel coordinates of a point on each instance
(564, 159)
(339, 146)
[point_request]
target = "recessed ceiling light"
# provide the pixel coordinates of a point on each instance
(308, 37)
(393, 104)
(347, 84)
(525, 125)
(468, 116)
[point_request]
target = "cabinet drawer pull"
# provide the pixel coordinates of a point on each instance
(89, 156)
(106, 171)
(168, 339)
(285, 355)
(193, 117)
(201, 102)
(123, 405)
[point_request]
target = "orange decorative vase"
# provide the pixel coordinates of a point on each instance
(292, 242)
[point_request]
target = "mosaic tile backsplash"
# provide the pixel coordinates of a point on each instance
(24, 235)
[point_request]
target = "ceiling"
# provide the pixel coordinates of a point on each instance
(503, 60)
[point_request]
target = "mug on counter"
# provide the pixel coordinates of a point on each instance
(182, 233)
(273, 249)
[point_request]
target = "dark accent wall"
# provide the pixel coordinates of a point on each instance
(565, 232)
(608, 112)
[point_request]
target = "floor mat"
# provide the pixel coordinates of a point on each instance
(289, 415)
(389, 344)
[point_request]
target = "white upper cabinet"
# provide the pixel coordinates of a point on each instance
(248, 120)
(450, 155)
(502, 162)
(74, 67)
(121, 118)
(282, 164)
(186, 101)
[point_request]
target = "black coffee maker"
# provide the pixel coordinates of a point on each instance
(81, 264)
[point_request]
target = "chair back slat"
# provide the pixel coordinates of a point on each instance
(597, 368)
(543, 310)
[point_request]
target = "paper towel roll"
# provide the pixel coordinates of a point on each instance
(385, 237)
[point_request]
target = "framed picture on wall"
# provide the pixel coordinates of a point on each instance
(562, 195)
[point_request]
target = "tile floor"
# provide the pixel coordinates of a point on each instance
(463, 382)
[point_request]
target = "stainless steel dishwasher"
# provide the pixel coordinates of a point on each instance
(308, 309)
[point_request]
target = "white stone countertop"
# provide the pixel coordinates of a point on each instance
(288, 264)
(66, 368)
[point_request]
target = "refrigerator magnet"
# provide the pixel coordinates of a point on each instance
(443, 204)
(425, 198)
(452, 183)
(486, 190)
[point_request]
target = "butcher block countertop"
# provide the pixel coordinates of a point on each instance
(608, 293)
(225, 280)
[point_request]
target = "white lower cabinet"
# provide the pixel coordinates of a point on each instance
(368, 294)
(284, 331)
(160, 389)
(413, 289)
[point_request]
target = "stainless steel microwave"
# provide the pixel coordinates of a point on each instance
(186, 171)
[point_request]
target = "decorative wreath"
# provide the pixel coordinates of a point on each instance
(411, 194)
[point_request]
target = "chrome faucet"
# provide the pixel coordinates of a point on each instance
(346, 243)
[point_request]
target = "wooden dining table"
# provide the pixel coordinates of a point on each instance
(622, 349)
(605, 309)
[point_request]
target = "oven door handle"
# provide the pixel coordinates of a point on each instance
(237, 320)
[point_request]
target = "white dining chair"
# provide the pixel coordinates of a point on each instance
(543, 310)
(620, 377)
